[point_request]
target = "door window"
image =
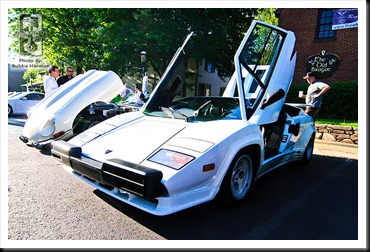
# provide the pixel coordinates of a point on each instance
(257, 61)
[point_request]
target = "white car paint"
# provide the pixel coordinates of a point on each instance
(21, 103)
(178, 152)
(53, 118)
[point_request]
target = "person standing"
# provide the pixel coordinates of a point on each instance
(314, 96)
(50, 82)
(141, 99)
(126, 91)
(69, 75)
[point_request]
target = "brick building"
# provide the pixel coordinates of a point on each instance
(312, 28)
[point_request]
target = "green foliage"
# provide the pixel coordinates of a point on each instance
(218, 33)
(343, 122)
(112, 39)
(340, 102)
(268, 15)
(31, 74)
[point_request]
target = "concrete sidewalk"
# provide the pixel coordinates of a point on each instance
(335, 149)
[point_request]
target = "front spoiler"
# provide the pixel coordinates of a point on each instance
(136, 179)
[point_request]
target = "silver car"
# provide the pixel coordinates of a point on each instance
(21, 103)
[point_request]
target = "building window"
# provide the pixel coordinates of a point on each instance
(204, 89)
(209, 67)
(325, 24)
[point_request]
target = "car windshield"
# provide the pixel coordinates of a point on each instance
(200, 108)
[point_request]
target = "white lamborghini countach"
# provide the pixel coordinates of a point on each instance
(184, 149)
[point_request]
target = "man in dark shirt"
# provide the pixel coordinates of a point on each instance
(69, 75)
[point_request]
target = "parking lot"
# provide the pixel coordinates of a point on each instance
(316, 202)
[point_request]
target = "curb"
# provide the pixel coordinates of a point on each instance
(319, 141)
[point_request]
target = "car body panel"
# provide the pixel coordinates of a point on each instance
(21, 103)
(62, 106)
(177, 150)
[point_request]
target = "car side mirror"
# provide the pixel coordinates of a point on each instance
(24, 98)
(278, 95)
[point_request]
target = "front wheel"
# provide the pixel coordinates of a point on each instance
(238, 180)
(10, 110)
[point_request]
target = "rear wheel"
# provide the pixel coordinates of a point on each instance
(238, 180)
(308, 151)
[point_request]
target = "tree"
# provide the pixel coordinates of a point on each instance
(112, 39)
(218, 34)
(160, 32)
(267, 15)
(32, 74)
(68, 36)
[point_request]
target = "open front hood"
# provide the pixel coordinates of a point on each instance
(63, 105)
(134, 141)
(94, 85)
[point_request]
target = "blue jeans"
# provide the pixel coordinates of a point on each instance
(312, 111)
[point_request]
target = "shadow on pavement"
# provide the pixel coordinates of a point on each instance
(17, 120)
(301, 200)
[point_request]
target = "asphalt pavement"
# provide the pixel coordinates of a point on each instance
(315, 202)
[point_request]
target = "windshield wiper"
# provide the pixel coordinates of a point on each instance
(171, 113)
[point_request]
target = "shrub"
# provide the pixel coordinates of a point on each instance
(340, 102)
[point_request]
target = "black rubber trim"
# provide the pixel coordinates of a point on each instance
(139, 180)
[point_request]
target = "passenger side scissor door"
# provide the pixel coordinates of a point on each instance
(264, 63)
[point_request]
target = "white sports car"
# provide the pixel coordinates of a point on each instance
(185, 150)
(72, 108)
(22, 102)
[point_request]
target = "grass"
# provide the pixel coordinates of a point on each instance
(341, 122)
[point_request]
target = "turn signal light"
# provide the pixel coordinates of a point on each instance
(208, 167)
(60, 133)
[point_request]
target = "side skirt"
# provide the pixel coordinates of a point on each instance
(279, 160)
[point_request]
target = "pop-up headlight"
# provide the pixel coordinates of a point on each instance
(175, 160)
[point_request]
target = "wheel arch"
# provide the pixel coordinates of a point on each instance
(308, 152)
(254, 150)
(11, 109)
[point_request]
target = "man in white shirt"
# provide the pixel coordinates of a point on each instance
(50, 82)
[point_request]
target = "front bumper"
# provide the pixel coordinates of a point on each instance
(36, 144)
(132, 178)
(40, 144)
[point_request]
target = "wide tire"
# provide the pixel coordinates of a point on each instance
(238, 180)
(308, 153)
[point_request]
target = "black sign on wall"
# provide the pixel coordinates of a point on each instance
(323, 64)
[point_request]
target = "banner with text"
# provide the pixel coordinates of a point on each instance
(345, 18)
